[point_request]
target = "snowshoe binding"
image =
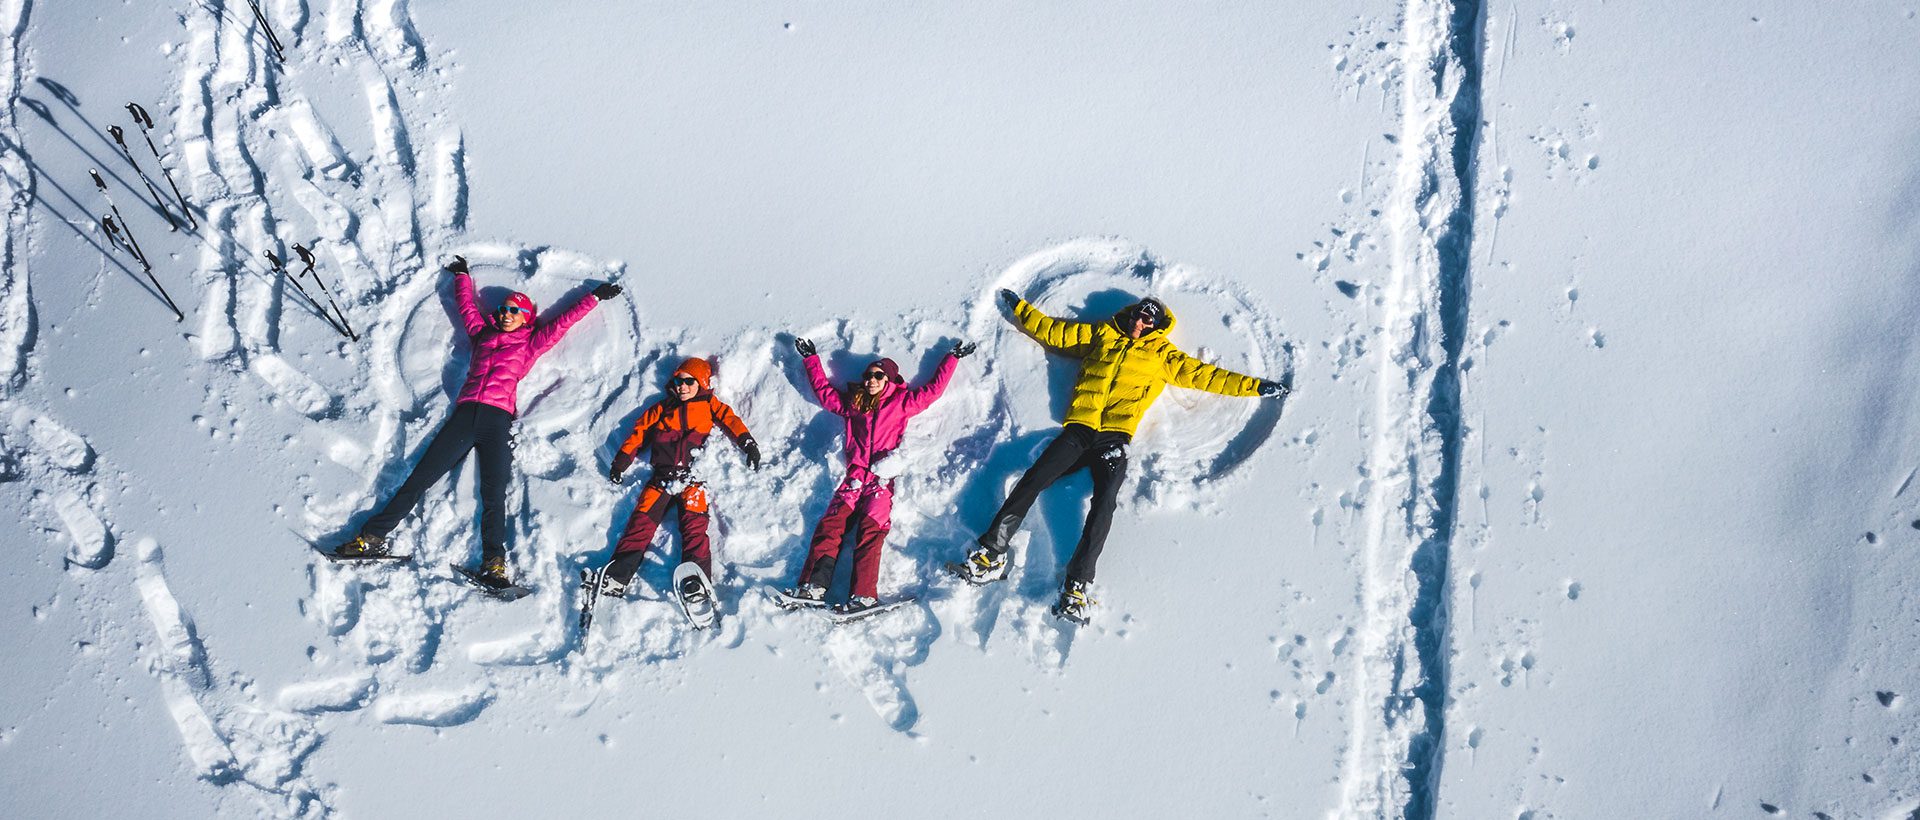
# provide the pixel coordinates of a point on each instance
(695, 594)
(363, 548)
(804, 596)
(982, 566)
(491, 578)
(1074, 604)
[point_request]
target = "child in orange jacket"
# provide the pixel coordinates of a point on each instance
(673, 430)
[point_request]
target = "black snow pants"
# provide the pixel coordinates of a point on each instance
(473, 426)
(1104, 455)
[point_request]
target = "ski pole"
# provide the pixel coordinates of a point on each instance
(124, 227)
(146, 127)
(306, 255)
(115, 238)
(267, 28)
(120, 138)
(280, 267)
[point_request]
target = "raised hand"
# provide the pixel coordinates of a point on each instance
(1269, 390)
(605, 291)
(1010, 298)
(962, 349)
(458, 265)
(803, 347)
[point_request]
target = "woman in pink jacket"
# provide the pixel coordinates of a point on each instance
(505, 346)
(876, 409)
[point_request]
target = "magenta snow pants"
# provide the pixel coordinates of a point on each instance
(871, 503)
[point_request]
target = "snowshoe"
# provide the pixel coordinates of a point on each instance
(695, 594)
(982, 566)
(1074, 604)
(860, 606)
(589, 595)
(804, 596)
(495, 583)
(362, 548)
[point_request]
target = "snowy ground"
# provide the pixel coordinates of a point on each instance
(1595, 498)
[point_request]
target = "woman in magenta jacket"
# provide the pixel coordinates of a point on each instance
(876, 409)
(505, 346)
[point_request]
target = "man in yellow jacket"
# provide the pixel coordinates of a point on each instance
(1125, 362)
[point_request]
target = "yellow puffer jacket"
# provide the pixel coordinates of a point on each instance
(1120, 377)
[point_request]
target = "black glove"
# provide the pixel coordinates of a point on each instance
(1270, 390)
(458, 265)
(803, 347)
(621, 461)
(961, 350)
(605, 291)
(1012, 299)
(752, 449)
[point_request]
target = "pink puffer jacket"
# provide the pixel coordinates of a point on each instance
(873, 436)
(500, 359)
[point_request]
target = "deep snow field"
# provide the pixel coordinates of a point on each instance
(1596, 496)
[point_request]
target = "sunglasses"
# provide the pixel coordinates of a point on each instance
(683, 381)
(876, 375)
(510, 309)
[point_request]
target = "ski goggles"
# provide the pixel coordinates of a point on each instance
(683, 381)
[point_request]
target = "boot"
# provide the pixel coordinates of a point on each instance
(1074, 604)
(984, 565)
(363, 546)
(857, 604)
(493, 570)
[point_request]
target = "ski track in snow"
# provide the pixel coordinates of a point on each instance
(1392, 762)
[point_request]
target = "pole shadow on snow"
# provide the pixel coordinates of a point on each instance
(40, 177)
(108, 168)
(252, 30)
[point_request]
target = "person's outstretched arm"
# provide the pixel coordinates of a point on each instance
(817, 377)
(1060, 335)
(471, 318)
(547, 335)
(918, 398)
(1186, 371)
